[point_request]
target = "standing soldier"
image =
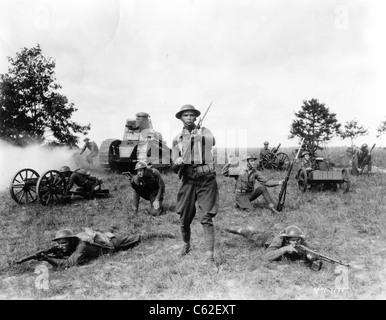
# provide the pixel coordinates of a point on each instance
(94, 151)
(245, 185)
(149, 185)
(361, 158)
(192, 158)
(265, 151)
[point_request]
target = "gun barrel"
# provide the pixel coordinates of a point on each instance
(31, 257)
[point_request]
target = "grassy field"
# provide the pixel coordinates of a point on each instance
(348, 227)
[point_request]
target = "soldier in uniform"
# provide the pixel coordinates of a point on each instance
(306, 161)
(80, 178)
(76, 250)
(276, 245)
(149, 185)
(359, 159)
(245, 189)
(192, 159)
(264, 151)
(94, 150)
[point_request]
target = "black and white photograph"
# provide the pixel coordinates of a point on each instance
(192, 155)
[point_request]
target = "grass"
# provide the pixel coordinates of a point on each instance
(348, 227)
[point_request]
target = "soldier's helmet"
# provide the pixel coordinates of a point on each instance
(140, 165)
(249, 156)
(364, 146)
(86, 140)
(187, 107)
(65, 169)
(305, 153)
(292, 231)
(266, 143)
(64, 233)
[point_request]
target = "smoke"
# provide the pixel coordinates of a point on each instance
(40, 159)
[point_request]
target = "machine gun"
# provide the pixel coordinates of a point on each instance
(317, 259)
(283, 191)
(366, 160)
(54, 250)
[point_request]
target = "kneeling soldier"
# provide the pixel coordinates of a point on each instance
(149, 185)
(245, 181)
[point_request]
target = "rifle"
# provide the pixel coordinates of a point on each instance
(366, 160)
(317, 257)
(201, 120)
(198, 126)
(283, 191)
(52, 250)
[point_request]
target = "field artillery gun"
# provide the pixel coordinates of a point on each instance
(27, 186)
(323, 177)
(140, 143)
(275, 160)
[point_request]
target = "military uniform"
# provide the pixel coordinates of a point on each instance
(271, 241)
(81, 251)
(150, 187)
(80, 178)
(359, 157)
(198, 181)
(245, 186)
(94, 150)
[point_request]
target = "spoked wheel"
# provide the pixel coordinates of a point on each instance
(302, 180)
(23, 186)
(51, 187)
(345, 184)
(269, 162)
(283, 161)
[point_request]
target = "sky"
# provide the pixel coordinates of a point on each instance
(257, 60)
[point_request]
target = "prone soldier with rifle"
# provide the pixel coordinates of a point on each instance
(77, 249)
(290, 243)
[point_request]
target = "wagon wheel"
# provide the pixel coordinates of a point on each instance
(345, 184)
(269, 162)
(283, 161)
(23, 186)
(50, 187)
(302, 180)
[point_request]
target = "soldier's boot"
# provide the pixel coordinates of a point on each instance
(272, 208)
(185, 233)
(185, 249)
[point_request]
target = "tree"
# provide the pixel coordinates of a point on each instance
(31, 108)
(381, 128)
(316, 124)
(352, 130)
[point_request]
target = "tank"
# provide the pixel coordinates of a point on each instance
(140, 143)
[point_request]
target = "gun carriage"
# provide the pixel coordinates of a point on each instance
(322, 176)
(27, 186)
(275, 160)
